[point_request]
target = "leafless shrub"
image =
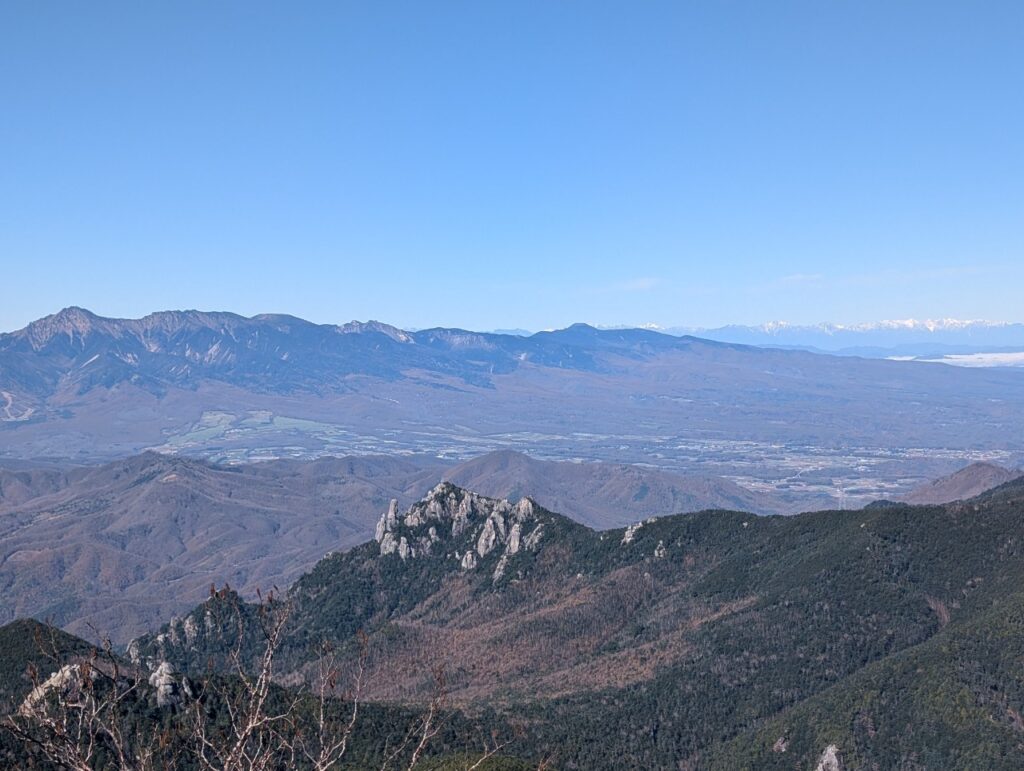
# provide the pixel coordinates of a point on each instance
(84, 716)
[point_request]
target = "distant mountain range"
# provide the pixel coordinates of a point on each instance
(882, 637)
(75, 352)
(882, 338)
(889, 637)
(81, 387)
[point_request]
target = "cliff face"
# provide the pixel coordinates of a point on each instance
(465, 526)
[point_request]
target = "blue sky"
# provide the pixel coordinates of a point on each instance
(486, 164)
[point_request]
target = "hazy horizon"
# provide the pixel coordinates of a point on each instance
(918, 324)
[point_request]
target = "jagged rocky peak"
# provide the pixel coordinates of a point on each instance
(462, 525)
(73, 322)
(77, 324)
(364, 327)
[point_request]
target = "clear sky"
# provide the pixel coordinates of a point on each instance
(519, 164)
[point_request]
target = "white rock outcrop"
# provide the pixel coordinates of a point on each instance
(830, 760)
(452, 517)
(388, 521)
(165, 685)
(534, 537)
(630, 533)
(515, 538)
(191, 629)
(499, 569)
(66, 679)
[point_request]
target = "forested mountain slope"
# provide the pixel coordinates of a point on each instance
(118, 548)
(715, 639)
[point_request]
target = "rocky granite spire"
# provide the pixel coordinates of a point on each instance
(449, 518)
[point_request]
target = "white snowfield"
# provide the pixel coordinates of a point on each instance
(1003, 359)
(827, 327)
(1012, 359)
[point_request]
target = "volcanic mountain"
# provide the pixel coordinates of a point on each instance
(80, 386)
